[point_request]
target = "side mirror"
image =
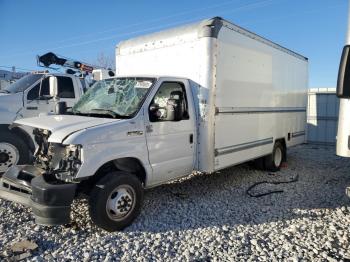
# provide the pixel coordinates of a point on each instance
(343, 84)
(53, 86)
(61, 108)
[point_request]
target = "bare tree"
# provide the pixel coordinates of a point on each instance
(105, 61)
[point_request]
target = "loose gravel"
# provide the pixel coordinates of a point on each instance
(211, 217)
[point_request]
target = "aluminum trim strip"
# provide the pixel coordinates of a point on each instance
(296, 134)
(251, 110)
(244, 146)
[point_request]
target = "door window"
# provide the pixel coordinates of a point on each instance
(65, 87)
(169, 103)
(42, 89)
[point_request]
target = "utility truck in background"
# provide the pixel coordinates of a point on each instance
(30, 96)
(201, 97)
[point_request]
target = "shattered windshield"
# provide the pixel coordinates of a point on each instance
(115, 97)
(23, 83)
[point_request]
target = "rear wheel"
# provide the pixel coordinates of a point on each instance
(116, 200)
(13, 150)
(274, 161)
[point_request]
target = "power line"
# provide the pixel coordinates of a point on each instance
(296, 14)
(293, 14)
(248, 6)
(10, 67)
(145, 22)
(243, 7)
(149, 21)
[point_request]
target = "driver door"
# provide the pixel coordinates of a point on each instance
(37, 100)
(170, 141)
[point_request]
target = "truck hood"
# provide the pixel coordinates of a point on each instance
(62, 126)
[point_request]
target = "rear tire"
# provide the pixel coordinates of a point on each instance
(274, 161)
(13, 150)
(115, 201)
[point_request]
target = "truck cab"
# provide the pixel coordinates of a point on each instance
(140, 125)
(30, 97)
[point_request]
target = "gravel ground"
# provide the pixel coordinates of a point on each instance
(211, 217)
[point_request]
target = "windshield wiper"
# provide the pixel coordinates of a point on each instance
(108, 112)
(5, 91)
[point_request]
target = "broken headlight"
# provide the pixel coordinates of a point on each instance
(70, 162)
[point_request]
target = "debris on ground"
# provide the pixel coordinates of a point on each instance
(19, 250)
(260, 187)
(23, 246)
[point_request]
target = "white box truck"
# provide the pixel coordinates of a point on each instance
(202, 97)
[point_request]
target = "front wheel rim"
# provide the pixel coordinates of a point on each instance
(278, 157)
(121, 202)
(9, 155)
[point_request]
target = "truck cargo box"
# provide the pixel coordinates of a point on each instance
(249, 91)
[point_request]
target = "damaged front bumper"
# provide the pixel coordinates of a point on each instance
(50, 199)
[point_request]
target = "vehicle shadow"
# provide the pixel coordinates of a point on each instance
(220, 199)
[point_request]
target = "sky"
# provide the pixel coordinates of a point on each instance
(83, 30)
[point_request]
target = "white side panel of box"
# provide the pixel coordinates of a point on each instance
(260, 96)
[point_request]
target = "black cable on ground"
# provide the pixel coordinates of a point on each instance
(295, 179)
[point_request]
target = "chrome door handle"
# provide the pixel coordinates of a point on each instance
(134, 133)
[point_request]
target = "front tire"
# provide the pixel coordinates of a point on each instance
(13, 150)
(274, 161)
(115, 201)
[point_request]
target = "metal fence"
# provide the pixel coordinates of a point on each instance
(322, 116)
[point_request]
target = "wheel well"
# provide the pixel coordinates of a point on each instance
(21, 134)
(283, 142)
(127, 164)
